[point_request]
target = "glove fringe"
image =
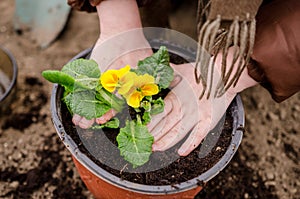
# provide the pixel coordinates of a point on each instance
(214, 39)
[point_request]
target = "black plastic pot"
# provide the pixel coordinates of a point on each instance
(8, 79)
(105, 185)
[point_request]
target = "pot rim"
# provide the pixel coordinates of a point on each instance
(237, 134)
(14, 76)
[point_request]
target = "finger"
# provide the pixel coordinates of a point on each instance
(170, 120)
(196, 136)
(177, 79)
(106, 117)
(169, 138)
(176, 134)
(157, 118)
(168, 105)
(76, 119)
(85, 124)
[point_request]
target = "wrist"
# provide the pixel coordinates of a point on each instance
(245, 80)
(117, 16)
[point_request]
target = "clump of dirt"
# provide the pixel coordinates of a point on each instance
(29, 105)
(225, 185)
(25, 184)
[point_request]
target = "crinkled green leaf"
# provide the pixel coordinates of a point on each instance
(60, 78)
(146, 105)
(160, 57)
(158, 106)
(66, 100)
(85, 67)
(146, 117)
(84, 71)
(113, 124)
(135, 143)
(89, 83)
(158, 66)
(85, 104)
(68, 82)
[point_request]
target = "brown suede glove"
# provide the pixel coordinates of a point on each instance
(276, 55)
(89, 5)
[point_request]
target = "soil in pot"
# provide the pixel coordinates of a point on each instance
(96, 144)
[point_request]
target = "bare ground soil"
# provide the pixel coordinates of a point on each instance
(35, 164)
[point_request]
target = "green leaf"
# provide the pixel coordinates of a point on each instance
(160, 57)
(85, 104)
(60, 78)
(158, 66)
(135, 143)
(146, 105)
(66, 100)
(85, 72)
(158, 106)
(146, 118)
(85, 67)
(113, 124)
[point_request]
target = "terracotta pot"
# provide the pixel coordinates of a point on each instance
(102, 184)
(8, 79)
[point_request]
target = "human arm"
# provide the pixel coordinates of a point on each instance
(275, 64)
(115, 48)
(276, 59)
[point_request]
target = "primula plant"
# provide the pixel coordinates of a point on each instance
(91, 94)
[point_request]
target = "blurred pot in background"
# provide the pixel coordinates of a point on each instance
(8, 79)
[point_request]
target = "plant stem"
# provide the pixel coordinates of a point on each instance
(110, 99)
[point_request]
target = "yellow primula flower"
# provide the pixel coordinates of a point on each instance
(144, 85)
(131, 86)
(134, 99)
(126, 82)
(110, 79)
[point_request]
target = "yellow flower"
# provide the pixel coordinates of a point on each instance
(126, 82)
(144, 85)
(110, 79)
(131, 86)
(134, 99)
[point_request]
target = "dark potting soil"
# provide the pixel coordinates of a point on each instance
(97, 145)
(163, 168)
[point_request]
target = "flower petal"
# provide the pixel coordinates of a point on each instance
(121, 72)
(127, 82)
(144, 79)
(149, 89)
(125, 87)
(109, 80)
(134, 99)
